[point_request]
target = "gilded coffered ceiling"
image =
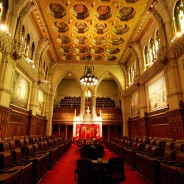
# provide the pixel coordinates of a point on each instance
(73, 26)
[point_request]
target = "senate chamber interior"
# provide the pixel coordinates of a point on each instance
(92, 91)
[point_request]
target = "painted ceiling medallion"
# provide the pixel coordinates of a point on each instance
(81, 40)
(60, 26)
(116, 40)
(80, 11)
(63, 39)
(67, 57)
(96, 58)
(111, 58)
(56, 10)
(81, 27)
(82, 57)
(112, 50)
(126, 13)
(97, 50)
(99, 40)
(103, 12)
(121, 29)
(65, 49)
(106, 26)
(101, 28)
(81, 49)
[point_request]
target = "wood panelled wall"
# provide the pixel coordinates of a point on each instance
(111, 131)
(16, 122)
(60, 130)
(165, 124)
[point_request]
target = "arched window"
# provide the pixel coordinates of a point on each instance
(27, 45)
(46, 73)
(131, 73)
(129, 76)
(151, 56)
(23, 37)
(146, 57)
(3, 10)
(179, 17)
(32, 51)
(156, 43)
(88, 94)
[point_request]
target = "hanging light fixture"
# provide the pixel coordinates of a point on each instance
(89, 78)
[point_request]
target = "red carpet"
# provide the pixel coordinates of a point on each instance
(63, 172)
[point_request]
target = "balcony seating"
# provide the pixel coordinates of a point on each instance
(70, 102)
(104, 102)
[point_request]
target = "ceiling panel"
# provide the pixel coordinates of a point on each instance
(103, 28)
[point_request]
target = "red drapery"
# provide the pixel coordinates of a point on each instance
(87, 131)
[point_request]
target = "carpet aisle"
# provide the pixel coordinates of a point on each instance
(63, 172)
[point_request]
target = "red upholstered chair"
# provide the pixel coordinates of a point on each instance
(85, 173)
(171, 172)
(24, 170)
(4, 146)
(114, 174)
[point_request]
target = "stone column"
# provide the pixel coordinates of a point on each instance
(142, 100)
(93, 106)
(66, 132)
(49, 113)
(82, 107)
(115, 130)
(7, 70)
(174, 91)
(137, 49)
(162, 8)
(126, 112)
(59, 130)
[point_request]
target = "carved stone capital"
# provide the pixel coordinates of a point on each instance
(5, 42)
(28, 8)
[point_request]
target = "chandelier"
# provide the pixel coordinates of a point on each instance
(89, 78)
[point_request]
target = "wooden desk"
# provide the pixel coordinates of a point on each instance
(102, 162)
(13, 176)
(100, 166)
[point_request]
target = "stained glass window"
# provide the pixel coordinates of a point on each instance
(27, 45)
(131, 73)
(1, 10)
(156, 43)
(179, 17)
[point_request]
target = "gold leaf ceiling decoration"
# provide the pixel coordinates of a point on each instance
(106, 26)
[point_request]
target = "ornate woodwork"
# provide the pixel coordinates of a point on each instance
(167, 124)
